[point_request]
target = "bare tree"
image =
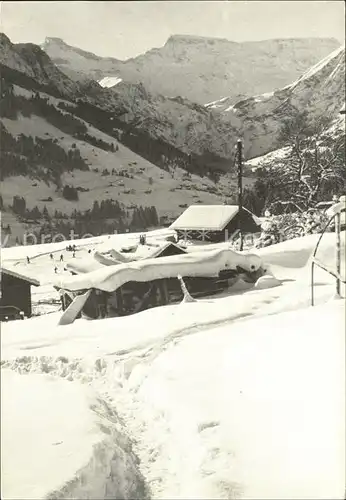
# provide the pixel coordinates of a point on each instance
(315, 163)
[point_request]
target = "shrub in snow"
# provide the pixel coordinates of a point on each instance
(287, 226)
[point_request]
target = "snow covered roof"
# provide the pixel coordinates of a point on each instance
(84, 266)
(156, 251)
(207, 217)
(11, 272)
(203, 264)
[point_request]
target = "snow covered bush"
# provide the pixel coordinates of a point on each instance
(288, 226)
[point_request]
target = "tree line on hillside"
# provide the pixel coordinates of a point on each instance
(106, 210)
(12, 76)
(12, 104)
(44, 158)
(156, 150)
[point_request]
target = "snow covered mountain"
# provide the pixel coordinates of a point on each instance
(200, 69)
(320, 92)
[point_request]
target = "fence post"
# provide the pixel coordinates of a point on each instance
(338, 258)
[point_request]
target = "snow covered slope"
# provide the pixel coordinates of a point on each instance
(246, 394)
(109, 81)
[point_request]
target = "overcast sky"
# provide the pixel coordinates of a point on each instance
(126, 29)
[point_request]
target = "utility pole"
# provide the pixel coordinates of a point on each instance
(240, 189)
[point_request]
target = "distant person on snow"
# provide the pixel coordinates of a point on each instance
(74, 254)
(55, 269)
(61, 258)
(28, 260)
(51, 256)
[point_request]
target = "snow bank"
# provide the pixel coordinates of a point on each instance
(60, 441)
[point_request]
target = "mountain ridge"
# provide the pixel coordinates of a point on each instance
(201, 69)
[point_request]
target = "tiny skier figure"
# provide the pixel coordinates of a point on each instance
(61, 258)
(28, 260)
(55, 269)
(74, 254)
(51, 256)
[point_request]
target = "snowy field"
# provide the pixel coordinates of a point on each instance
(239, 396)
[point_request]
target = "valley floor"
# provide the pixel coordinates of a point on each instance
(241, 396)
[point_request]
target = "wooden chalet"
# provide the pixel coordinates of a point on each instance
(15, 294)
(100, 304)
(214, 223)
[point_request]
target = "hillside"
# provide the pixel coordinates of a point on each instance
(200, 69)
(319, 92)
(335, 132)
(149, 124)
(195, 137)
(119, 175)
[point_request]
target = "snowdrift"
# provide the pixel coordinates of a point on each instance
(60, 440)
(106, 261)
(197, 264)
(84, 266)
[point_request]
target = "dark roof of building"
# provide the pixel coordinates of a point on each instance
(169, 245)
(15, 274)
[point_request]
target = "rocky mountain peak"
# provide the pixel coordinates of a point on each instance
(4, 40)
(195, 40)
(31, 60)
(53, 41)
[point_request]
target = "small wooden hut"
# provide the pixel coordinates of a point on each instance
(15, 294)
(214, 223)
